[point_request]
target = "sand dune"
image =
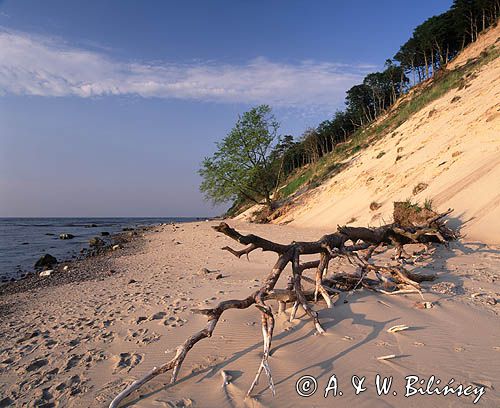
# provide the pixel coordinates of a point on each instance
(451, 147)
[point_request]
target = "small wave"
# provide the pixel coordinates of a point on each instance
(32, 225)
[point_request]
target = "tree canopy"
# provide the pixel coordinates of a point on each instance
(242, 166)
(432, 45)
(250, 161)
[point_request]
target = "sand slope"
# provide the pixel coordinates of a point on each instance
(452, 145)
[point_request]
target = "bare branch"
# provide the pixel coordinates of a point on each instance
(244, 251)
(327, 247)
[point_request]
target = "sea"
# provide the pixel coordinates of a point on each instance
(24, 240)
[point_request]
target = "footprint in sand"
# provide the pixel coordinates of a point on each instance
(134, 334)
(5, 364)
(43, 398)
(108, 336)
(149, 339)
(139, 320)
(157, 316)
(174, 321)
(75, 384)
(37, 364)
(73, 361)
(51, 373)
(106, 323)
(50, 343)
(127, 361)
(74, 342)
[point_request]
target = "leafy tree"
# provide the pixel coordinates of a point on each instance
(283, 145)
(279, 157)
(407, 56)
(360, 105)
(312, 146)
(440, 38)
(250, 163)
(242, 165)
(396, 82)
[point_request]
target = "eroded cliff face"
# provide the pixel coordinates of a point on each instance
(449, 152)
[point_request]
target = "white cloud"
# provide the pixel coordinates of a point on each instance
(34, 65)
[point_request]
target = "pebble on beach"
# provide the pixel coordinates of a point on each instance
(46, 273)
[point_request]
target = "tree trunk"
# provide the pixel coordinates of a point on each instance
(432, 61)
(426, 65)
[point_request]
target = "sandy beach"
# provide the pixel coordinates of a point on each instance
(196, 196)
(79, 344)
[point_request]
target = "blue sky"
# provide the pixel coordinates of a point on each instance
(107, 108)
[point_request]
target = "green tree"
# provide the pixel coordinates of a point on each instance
(360, 105)
(242, 166)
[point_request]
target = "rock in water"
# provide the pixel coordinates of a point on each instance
(104, 233)
(46, 260)
(66, 236)
(96, 242)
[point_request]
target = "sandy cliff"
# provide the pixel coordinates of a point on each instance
(451, 145)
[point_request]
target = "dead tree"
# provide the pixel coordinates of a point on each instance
(327, 247)
(402, 232)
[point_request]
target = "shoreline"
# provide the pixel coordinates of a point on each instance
(77, 344)
(25, 240)
(91, 264)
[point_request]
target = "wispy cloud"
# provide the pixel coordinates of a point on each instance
(43, 66)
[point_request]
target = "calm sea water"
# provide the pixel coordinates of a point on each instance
(24, 240)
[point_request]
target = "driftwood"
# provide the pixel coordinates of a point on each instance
(403, 232)
(389, 279)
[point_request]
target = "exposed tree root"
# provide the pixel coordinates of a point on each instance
(389, 280)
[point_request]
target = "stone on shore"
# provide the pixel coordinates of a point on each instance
(96, 242)
(46, 273)
(46, 260)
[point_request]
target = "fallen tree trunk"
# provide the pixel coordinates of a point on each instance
(328, 247)
(403, 231)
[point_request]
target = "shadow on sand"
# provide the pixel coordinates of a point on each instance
(434, 262)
